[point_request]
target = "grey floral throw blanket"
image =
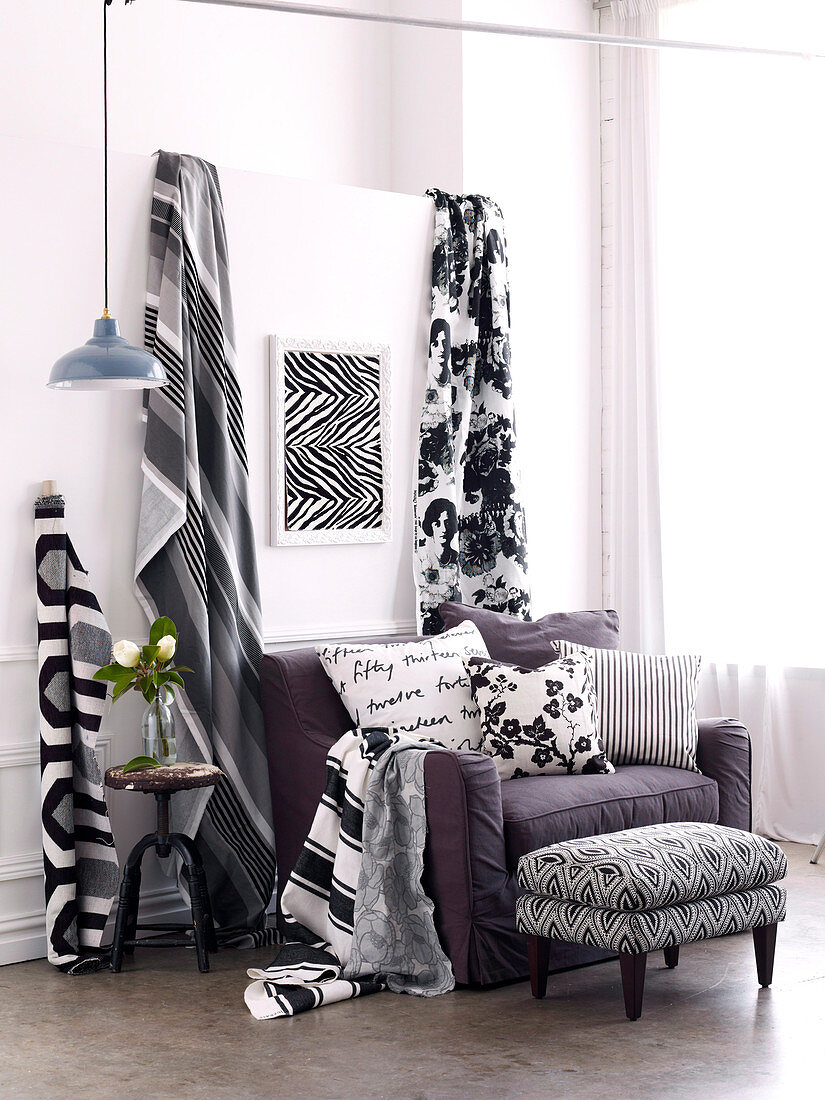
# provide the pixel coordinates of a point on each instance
(357, 918)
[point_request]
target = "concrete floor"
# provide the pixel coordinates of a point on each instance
(161, 1029)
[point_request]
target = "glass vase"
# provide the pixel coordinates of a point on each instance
(158, 729)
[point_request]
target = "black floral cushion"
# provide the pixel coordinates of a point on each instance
(540, 721)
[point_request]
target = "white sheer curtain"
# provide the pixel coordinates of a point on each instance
(713, 444)
(631, 528)
(742, 392)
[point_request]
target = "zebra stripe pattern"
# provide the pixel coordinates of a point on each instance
(334, 477)
(196, 550)
(79, 856)
(647, 705)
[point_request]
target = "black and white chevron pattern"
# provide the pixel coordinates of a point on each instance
(79, 857)
(334, 476)
(647, 705)
(653, 866)
(650, 929)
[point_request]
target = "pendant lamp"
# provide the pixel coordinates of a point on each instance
(107, 361)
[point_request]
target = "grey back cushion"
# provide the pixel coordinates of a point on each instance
(531, 644)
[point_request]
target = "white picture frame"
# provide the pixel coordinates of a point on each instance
(282, 533)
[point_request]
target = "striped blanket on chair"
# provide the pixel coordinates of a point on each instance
(357, 918)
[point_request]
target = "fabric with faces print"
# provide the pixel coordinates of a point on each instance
(541, 721)
(469, 532)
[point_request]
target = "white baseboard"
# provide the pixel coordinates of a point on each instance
(23, 935)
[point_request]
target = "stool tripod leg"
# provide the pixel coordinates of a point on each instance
(208, 921)
(197, 886)
(128, 901)
(198, 898)
(121, 921)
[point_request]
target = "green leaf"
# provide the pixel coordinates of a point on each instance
(160, 628)
(120, 689)
(175, 679)
(138, 763)
(113, 672)
(179, 668)
(147, 688)
(149, 654)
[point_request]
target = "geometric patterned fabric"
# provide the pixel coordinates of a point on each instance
(652, 929)
(656, 865)
(79, 857)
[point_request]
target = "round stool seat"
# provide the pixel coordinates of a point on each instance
(170, 777)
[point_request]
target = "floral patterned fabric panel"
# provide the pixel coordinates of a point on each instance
(469, 523)
(540, 721)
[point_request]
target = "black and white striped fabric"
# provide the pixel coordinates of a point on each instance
(653, 866)
(79, 857)
(356, 918)
(650, 929)
(333, 465)
(196, 549)
(647, 705)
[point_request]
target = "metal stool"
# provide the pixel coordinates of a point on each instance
(162, 783)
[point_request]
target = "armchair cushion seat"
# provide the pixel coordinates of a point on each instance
(543, 810)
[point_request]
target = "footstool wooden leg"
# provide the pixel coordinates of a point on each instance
(672, 956)
(764, 943)
(633, 982)
(538, 956)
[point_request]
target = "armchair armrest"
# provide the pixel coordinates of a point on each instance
(724, 754)
(465, 865)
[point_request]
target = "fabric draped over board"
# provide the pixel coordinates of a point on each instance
(79, 857)
(468, 518)
(195, 557)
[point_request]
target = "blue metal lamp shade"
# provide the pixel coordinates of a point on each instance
(106, 362)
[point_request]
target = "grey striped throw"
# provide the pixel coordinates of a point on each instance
(647, 705)
(196, 547)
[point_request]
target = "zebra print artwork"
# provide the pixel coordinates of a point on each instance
(332, 461)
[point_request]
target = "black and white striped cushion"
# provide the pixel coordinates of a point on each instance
(647, 705)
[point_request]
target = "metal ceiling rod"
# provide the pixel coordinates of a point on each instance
(502, 28)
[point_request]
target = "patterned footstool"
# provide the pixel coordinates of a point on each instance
(650, 889)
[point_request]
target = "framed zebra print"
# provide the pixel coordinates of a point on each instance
(330, 437)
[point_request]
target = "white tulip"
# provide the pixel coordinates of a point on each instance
(166, 648)
(126, 653)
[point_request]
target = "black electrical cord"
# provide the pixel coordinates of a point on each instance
(106, 4)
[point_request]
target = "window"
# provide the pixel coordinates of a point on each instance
(742, 287)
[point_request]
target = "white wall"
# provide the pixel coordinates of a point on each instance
(530, 141)
(289, 94)
(266, 98)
